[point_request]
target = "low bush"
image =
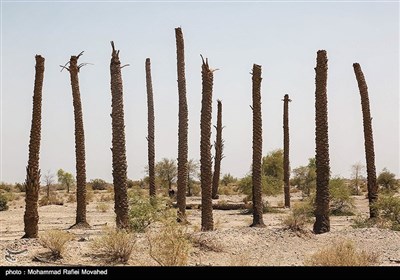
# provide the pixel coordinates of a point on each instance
(388, 207)
(114, 246)
(299, 217)
(56, 241)
(144, 211)
(3, 203)
(98, 184)
(342, 253)
(341, 202)
(170, 245)
(53, 199)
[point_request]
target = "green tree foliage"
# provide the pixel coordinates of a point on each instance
(305, 177)
(66, 179)
(272, 164)
(228, 179)
(166, 171)
(269, 185)
(387, 180)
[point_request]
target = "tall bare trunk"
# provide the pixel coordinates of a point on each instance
(32, 182)
(150, 129)
(79, 145)
(257, 149)
(118, 142)
(322, 223)
(219, 145)
(368, 140)
(207, 222)
(183, 127)
(286, 162)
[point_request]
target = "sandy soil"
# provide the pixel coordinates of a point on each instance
(237, 243)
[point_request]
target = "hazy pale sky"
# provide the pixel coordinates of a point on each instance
(282, 37)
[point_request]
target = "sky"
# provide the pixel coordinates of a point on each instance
(283, 37)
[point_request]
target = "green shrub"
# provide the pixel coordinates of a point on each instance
(5, 187)
(228, 179)
(300, 215)
(3, 203)
(389, 209)
(20, 187)
(143, 212)
(341, 202)
(270, 186)
(98, 184)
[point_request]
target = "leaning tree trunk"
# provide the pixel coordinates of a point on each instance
(219, 145)
(286, 162)
(322, 223)
(368, 140)
(32, 182)
(150, 129)
(257, 149)
(183, 127)
(79, 145)
(118, 142)
(207, 222)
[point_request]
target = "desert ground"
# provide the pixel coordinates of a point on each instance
(233, 242)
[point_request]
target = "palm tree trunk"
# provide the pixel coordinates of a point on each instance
(150, 129)
(32, 182)
(257, 149)
(207, 222)
(322, 223)
(79, 146)
(286, 163)
(182, 127)
(118, 143)
(218, 151)
(368, 140)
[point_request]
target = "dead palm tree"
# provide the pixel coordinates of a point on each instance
(219, 145)
(118, 142)
(257, 148)
(207, 222)
(322, 223)
(286, 163)
(73, 70)
(368, 140)
(32, 182)
(182, 127)
(150, 129)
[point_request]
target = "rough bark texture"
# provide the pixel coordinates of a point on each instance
(219, 145)
(118, 143)
(368, 140)
(257, 148)
(79, 145)
(32, 182)
(286, 162)
(182, 127)
(150, 129)
(207, 222)
(322, 223)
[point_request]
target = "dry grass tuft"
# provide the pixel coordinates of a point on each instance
(342, 253)
(170, 246)
(56, 241)
(114, 246)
